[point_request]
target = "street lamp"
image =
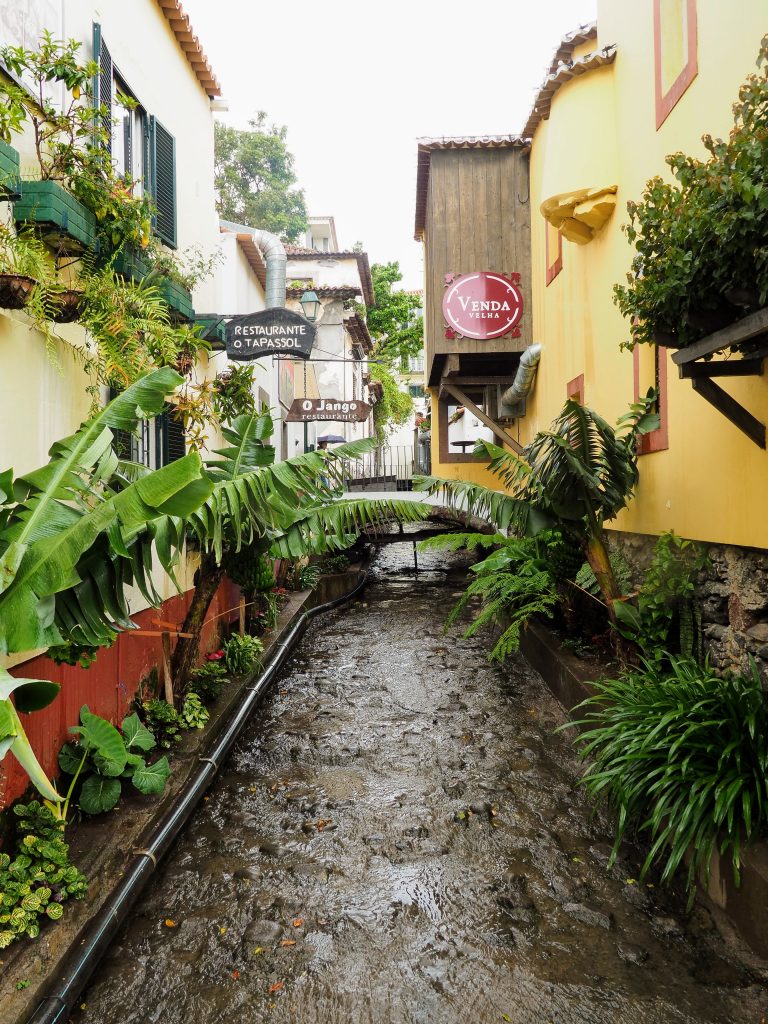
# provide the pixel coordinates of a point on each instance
(310, 304)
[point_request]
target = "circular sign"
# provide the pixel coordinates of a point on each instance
(482, 305)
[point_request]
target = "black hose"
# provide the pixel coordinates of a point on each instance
(94, 938)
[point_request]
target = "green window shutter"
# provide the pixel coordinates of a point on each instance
(163, 175)
(102, 83)
(169, 439)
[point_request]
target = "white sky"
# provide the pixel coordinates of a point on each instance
(357, 82)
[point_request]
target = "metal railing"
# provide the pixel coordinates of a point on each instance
(388, 468)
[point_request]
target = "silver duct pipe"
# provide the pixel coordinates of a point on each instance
(275, 257)
(523, 381)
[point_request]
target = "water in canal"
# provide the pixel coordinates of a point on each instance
(397, 839)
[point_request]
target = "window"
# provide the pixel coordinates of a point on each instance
(553, 242)
(650, 371)
(151, 446)
(674, 51)
(140, 145)
(459, 428)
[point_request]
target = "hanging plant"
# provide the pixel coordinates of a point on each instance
(701, 253)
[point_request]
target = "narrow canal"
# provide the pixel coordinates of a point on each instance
(398, 837)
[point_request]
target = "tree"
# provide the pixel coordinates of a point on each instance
(576, 476)
(395, 327)
(255, 179)
(394, 407)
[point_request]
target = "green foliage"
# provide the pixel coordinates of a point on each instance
(207, 681)
(462, 541)
(666, 602)
(513, 583)
(255, 178)
(193, 714)
(308, 576)
(700, 243)
(163, 720)
(681, 755)
(336, 563)
(394, 407)
(242, 653)
(233, 393)
(72, 137)
(622, 572)
(70, 653)
(574, 477)
(36, 877)
(396, 329)
(100, 757)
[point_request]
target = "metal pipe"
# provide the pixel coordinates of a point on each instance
(93, 939)
(523, 381)
(275, 258)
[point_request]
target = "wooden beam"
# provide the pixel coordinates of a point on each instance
(734, 334)
(452, 366)
(498, 430)
(722, 368)
(167, 676)
(731, 409)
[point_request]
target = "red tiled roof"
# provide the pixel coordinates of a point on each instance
(358, 331)
(428, 146)
(335, 291)
(300, 252)
(252, 253)
(190, 44)
(563, 69)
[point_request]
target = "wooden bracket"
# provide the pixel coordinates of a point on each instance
(492, 425)
(749, 328)
(731, 409)
(751, 367)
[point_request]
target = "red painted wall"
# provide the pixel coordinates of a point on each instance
(107, 687)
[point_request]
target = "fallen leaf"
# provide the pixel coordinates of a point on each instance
(630, 881)
(169, 923)
(257, 950)
(505, 1016)
(297, 922)
(577, 860)
(322, 822)
(288, 942)
(235, 975)
(276, 987)
(222, 931)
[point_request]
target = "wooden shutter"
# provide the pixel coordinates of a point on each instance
(170, 439)
(122, 442)
(102, 85)
(163, 175)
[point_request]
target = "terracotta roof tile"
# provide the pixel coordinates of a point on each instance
(190, 45)
(300, 252)
(564, 71)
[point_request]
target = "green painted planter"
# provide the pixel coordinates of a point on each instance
(62, 220)
(9, 172)
(214, 330)
(132, 265)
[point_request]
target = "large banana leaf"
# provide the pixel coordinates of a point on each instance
(31, 695)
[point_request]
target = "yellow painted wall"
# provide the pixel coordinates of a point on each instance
(712, 482)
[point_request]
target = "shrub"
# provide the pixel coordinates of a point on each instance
(682, 756)
(100, 757)
(242, 653)
(193, 714)
(207, 681)
(163, 719)
(37, 878)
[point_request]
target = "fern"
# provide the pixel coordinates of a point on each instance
(585, 578)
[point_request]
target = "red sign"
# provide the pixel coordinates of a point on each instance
(483, 305)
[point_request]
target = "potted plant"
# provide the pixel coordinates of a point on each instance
(701, 261)
(27, 272)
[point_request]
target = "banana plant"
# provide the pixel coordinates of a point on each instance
(51, 518)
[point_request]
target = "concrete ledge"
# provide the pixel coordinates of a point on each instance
(568, 677)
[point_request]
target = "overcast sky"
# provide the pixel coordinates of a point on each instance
(357, 82)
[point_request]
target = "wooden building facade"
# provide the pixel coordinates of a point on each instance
(473, 216)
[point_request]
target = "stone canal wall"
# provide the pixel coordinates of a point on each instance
(733, 595)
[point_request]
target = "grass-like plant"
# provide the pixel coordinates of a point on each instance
(681, 755)
(242, 653)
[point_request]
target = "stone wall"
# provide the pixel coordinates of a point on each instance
(733, 592)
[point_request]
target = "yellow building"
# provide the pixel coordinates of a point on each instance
(546, 208)
(648, 80)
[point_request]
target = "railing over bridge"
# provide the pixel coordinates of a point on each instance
(389, 468)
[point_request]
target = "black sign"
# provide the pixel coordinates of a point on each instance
(307, 410)
(270, 332)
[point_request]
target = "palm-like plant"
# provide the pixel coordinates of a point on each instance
(576, 476)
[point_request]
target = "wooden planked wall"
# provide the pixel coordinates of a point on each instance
(477, 218)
